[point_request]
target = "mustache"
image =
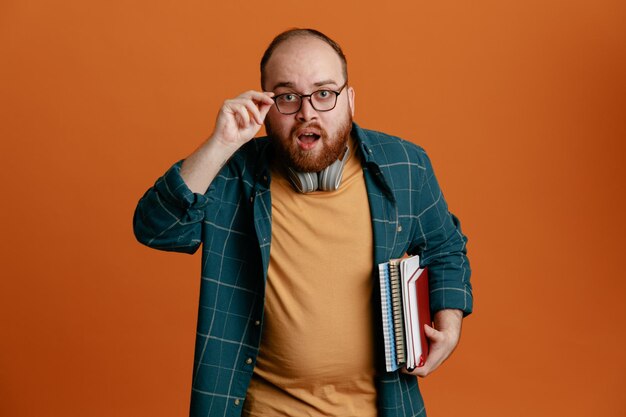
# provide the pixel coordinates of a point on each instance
(311, 125)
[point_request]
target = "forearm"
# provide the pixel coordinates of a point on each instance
(201, 167)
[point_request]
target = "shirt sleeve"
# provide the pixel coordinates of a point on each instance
(442, 246)
(169, 215)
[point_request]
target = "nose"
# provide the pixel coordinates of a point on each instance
(306, 112)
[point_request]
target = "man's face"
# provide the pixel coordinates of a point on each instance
(308, 140)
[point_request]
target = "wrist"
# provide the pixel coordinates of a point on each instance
(219, 148)
(449, 320)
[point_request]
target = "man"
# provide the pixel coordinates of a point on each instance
(292, 227)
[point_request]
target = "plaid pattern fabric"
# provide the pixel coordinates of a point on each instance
(232, 221)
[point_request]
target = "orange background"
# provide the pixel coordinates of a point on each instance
(521, 106)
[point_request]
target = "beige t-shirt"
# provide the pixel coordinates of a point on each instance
(316, 356)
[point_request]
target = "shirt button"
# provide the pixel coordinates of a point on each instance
(399, 228)
(251, 199)
(257, 323)
(237, 401)
(248, 361)
(264, 177)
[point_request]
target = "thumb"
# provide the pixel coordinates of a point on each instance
(431, 333)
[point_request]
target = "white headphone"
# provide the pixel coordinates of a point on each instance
(327, 179)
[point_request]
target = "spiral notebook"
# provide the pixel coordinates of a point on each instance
(405, 310)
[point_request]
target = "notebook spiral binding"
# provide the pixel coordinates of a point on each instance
(396, 305)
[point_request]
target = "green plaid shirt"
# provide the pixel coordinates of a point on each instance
(233, 222)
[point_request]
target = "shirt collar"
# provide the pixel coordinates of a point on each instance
(371, 160)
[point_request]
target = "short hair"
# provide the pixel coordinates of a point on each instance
(298, 32)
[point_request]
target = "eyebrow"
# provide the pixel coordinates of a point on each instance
(325, 82)
(289, 84)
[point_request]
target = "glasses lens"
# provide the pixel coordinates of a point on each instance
(324, 99)
(288, 103)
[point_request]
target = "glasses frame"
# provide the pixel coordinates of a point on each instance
(303, 96)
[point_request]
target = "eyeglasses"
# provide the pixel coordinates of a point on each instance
(321, 100)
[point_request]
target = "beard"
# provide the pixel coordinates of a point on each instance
(290, 153)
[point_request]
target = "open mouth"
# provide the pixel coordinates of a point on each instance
(307, 140)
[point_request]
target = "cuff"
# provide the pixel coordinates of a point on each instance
(172, 188)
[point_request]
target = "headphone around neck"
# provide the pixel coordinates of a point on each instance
(327, 179)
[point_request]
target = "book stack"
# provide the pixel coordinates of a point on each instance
(405, 310)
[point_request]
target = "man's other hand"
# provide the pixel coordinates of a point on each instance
(443, 340)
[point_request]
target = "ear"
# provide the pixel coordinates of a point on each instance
(351, 99)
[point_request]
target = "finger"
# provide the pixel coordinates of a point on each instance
(254, 111)
(259, 97)
(268, 97)
(242, 115)
(252, 107)
(422, 371)
(434, 359)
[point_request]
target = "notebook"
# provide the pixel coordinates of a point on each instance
(405, 310)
